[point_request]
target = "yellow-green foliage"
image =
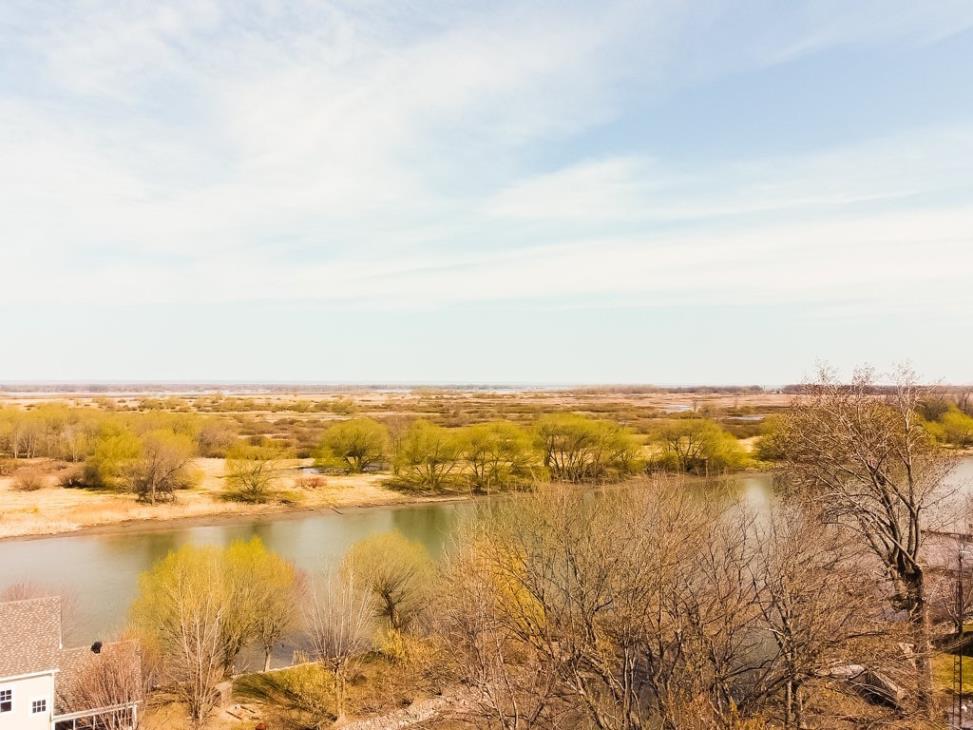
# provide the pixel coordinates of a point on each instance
(697, 445)
(311, 690)
(112, 457)
(427, 456)
(574, 448)
(953, 427)
(770, 446)
(58, 431)
(232, 597)
(353, 446)
(498, 455)
(397, 571)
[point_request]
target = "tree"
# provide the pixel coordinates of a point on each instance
(179, 616)
(498, 456)
(353, 446)
(870, 463)
(807, 578)
(111, 460)
(110, 678)
(396, 571)
(199, 607)
(252, 471)
(267, 589)
(579, 449)
(162, 465)
(427, 457)
(952, 427)
(339, 626)
(699, 446)
(215, 437)
(571, 612)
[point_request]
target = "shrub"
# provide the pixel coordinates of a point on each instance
(29, 479)
(252, 471)
(71, 477)
(311, 481)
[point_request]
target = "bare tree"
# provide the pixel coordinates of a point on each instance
(807, 578)
(573, 612)
(252, 471)
(868, 461)
(108, 678)
(338, 623)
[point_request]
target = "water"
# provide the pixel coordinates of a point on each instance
(98, 573)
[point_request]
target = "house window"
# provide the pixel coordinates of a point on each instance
(38, 706)
(6, 700)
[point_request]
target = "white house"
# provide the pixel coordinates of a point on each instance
(46, 687)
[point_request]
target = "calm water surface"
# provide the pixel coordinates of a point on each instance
(99, 572)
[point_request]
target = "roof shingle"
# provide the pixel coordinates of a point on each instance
(30, 636)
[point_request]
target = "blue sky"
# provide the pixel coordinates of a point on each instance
(664, 192)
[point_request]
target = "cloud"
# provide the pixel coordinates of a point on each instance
(362, 155)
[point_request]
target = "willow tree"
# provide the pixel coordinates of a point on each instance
(862, 452)
(354, 446)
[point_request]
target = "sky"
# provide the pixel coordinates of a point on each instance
(658, 192)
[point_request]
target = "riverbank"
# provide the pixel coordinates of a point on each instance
(54, 510)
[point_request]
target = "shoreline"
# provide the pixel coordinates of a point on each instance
(271, 512)
(278, 511)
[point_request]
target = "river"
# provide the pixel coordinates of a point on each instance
(98, 572)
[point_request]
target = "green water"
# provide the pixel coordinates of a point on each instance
(98, 573)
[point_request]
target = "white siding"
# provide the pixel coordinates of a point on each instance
(25, 692)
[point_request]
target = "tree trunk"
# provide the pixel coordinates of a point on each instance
(266, 658)
(919, 618)
(914, 601)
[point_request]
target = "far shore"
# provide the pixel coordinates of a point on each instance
(59, 511)
(268, 512)
(63, 512)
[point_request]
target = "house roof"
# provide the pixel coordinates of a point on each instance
(30, 636)
(87, 680)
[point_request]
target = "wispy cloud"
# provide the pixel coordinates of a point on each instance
(376, 154)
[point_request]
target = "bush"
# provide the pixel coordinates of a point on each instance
(252, 472)
(954, 428)
(311, 481)
(114, 453)
(71, 477)
(29, 479)
(770, 445)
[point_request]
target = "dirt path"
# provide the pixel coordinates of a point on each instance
(418, 712)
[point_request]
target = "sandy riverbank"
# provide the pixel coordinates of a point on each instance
(55, 510)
